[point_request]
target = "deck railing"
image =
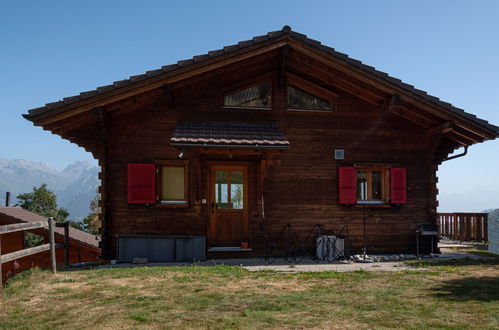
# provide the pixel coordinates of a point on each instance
(467, 227)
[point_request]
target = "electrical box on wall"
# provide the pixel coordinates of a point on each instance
(339, 154)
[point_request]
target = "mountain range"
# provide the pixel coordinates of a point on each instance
(75, 186)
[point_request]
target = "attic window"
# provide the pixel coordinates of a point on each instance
(258, 96)
(304, 95)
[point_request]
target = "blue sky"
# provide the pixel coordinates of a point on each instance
(54, 49)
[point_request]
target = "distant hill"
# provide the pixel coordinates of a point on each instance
(75, 185)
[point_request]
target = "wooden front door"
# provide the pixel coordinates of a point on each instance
(228, 205)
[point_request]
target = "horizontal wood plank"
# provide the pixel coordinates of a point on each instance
(5, 229)
(23, 253)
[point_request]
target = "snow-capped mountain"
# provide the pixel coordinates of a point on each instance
(75, 185)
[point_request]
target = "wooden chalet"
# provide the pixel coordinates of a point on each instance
(233, 145)
(83, 247)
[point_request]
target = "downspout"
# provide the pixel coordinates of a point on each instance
(457, 156)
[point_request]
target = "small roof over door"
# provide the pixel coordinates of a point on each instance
(228, 135)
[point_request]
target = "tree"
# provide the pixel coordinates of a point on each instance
(92, 222)
(43, 202)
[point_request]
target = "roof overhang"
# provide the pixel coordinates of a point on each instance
(412, 104)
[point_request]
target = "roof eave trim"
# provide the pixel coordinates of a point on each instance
(230, 146)
(352, 64)
(159, 80)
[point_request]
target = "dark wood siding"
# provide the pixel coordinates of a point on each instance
(302, 190)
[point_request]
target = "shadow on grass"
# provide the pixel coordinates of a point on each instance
(489, 259)
(470, 288)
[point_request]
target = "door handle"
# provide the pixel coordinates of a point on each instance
(212, 207)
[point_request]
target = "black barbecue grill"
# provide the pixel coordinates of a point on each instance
(425, 229)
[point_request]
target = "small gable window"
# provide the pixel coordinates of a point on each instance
(258, 96)
(299, 99)
(304, 95)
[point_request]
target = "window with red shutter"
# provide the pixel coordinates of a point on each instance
(347, 179)
(398, 185)
(141, 183)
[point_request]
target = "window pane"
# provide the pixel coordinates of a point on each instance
(299, 99)
(221, 190)
(376, 184)
(172, 183)
(361, 185)
(237, 190)
(257, 96)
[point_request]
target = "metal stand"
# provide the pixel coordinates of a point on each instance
(294, 250)
(425, 230)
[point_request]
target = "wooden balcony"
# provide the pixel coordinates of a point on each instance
(463, 227)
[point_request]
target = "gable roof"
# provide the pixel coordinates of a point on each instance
(19, 215)
(257, 42)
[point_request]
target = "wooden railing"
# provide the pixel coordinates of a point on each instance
(51, 246)
(467, 227)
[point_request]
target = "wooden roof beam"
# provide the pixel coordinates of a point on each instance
(474, 132)
(467, 136)
(443, 128)
(395, 106)
(338, 82)
(461, 139)
(283, 69)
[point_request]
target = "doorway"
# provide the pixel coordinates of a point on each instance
(228, 205)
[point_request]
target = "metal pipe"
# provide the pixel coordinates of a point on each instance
(457, 156)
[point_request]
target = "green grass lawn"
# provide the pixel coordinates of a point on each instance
(462, 294)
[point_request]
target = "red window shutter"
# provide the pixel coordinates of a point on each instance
(347, 185)
(398, 184)
(141, 183)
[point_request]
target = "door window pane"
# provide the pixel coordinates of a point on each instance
(237, 190)
(221, 190)
(172, 183)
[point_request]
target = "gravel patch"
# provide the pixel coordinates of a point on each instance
(309, 265)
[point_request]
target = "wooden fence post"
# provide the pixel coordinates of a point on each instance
(53, 260)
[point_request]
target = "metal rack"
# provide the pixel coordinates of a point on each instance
(290, 247)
